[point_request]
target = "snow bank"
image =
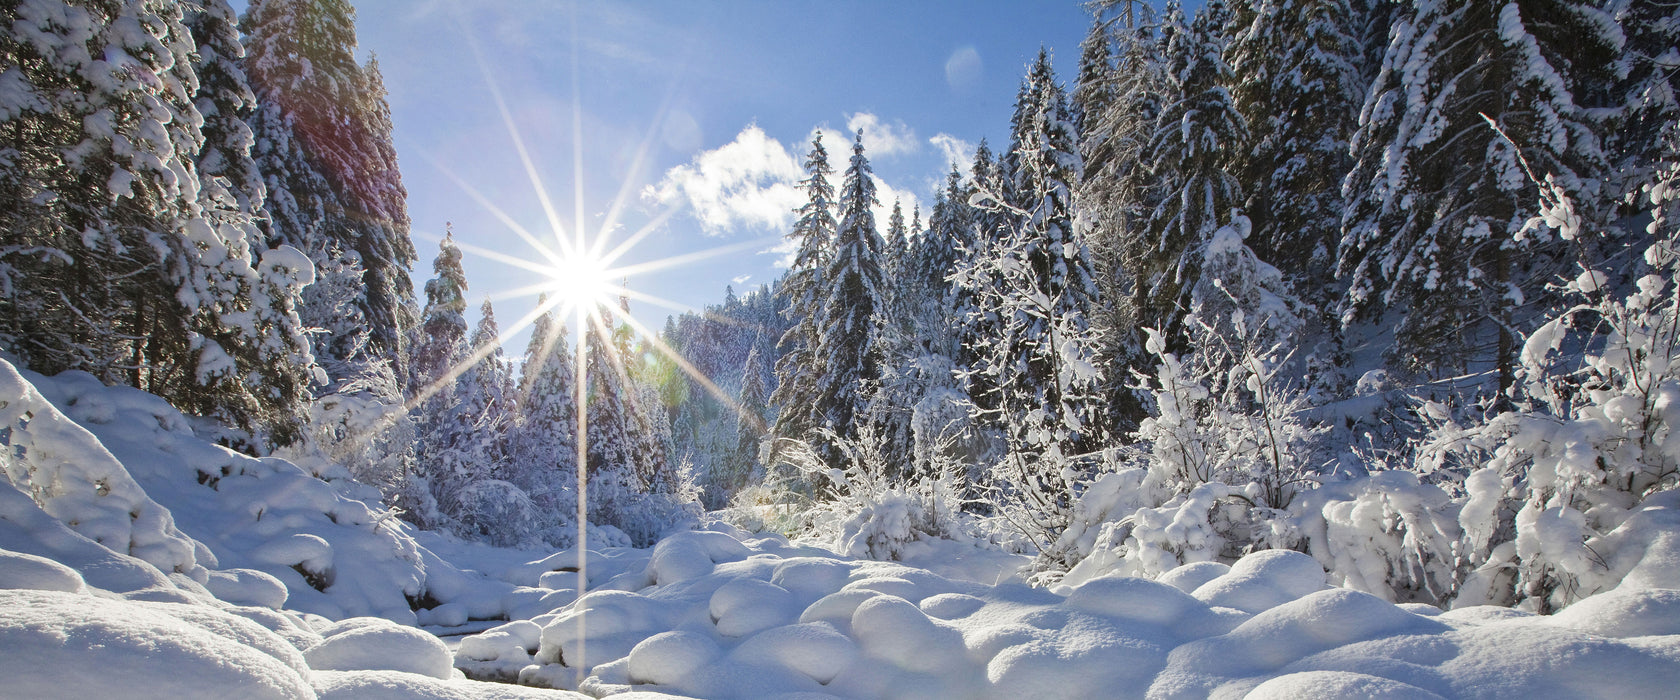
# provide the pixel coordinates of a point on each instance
(65, 469)
(122, 468)
(718, 620)
(391, 685)
(77, 646)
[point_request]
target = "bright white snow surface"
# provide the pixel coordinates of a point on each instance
(138, 561)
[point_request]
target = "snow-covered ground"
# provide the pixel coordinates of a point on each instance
(139, 561)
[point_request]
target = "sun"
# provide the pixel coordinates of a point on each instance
(580, 280)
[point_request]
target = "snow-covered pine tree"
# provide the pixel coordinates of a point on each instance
(441, 339)
(387, 250)
(543, 448)
(322, 142)
(613, 481)
(1647, 96)
(440, 351)
(803, 288)
(751, 424)
(936, 255)
(1433, 249)
(898, 334)
(848, 350)
(1037, 283)
(975, 323)
(485, 396)
(1295, 81)
(273, 351)
(895, 255)
(1117, 190)
(116, 260)
(1192, 154)
(1093, 91)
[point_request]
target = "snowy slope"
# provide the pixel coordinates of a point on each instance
(137, 560)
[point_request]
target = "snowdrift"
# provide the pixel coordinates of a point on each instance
(712, 615)
(137, 559)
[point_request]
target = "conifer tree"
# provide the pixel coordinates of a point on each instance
(1038, 284)
(849, 352)
(803, 288)
(484, 398)
(1646, 98)
(613, 477)
(751, 426)
(1438, 197)
(1197, 135)
(975, 322)
(1295, 82)
(322, 141)
(543, 451)
(441, 342)
(117, 260)
(444, 456)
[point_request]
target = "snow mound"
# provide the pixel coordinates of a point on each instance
(813, 626)
(1263, 580)
(392, 685)
(669, 657)
(382, 646)
(67, 471)
(1332, 685)
(30, 572)
(247, 587)
(78, 646)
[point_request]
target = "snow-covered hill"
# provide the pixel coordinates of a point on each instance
(137, 560)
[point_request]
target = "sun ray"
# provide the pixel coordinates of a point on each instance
(643, 149)
(529, 290)
(510, 259)
(494, 210)
(686, 258)
(582, 442)
(519, 146)
(684, 308)
(646, 230)
(577, 136)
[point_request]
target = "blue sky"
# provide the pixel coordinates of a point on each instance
(694, 116)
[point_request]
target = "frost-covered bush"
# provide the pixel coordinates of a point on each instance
(1574, 466)
(861, 510)
(1388, 534)
(494, 511)
(1227, 447)
(364, 430)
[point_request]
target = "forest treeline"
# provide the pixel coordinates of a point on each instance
(1387, 282)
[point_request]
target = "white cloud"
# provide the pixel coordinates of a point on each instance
(740, 279)
(881, 139)
(963, 68)
(887, 194)
(749, 182)
(753, 182)
(955, 151)
(784, 250)
(839, 147)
